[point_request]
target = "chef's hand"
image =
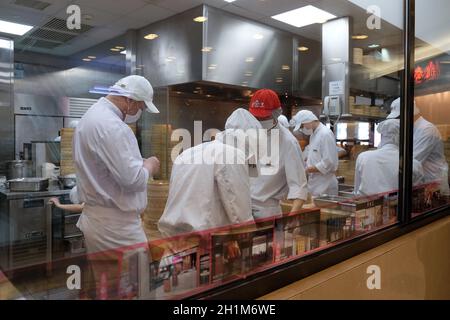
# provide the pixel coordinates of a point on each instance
(312, 169)
(152, 165)
(54, 201)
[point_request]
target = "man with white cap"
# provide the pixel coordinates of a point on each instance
(214, 191)
(322, 159)
(282, 174)
(376, 171)
(428, 147)
(112, 176)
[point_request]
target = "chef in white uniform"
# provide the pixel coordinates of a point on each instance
(322, 159)
(111, 174)
(428, 147)
(376, 171)
(283, 121)
(282, 173)
(215, 191)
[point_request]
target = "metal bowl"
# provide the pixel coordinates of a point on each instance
(68, 182)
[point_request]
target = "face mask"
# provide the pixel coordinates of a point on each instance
(276, 113)
(308, 132)
(132, 119)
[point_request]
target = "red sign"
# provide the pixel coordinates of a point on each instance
(431, 72)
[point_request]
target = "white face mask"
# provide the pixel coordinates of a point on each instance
(129, 119)
(308, 132)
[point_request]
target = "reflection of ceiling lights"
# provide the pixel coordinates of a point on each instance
(302, 49)
(279, 80)
(115, 49)
(229, 1)
(207, 49)
(248, 74)
(195, 91)
(200, 19)
(336, 59)
(258, 36)
(360, 37)
(208, 96)
(91, 57)
(285, 67)
(119, 47)
(212, 66)
(373, 46)
(14, 28)
(151, 36)
(304, 16)
(123, 52)
(87, 59)
(249, 59)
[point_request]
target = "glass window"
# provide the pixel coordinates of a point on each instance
(431, 114)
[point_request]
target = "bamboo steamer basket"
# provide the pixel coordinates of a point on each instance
(157, 193)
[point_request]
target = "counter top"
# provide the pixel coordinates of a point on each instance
(5, 194)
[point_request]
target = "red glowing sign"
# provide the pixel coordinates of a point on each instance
(430, 72)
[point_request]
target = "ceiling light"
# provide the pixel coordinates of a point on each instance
(304, 16)
(151, 36)
(92, 57)
(302, 49)
(115, 49)
(207, 49)
(229, 1)
(360, 37)
(87, 59)
(372, 46)
(123, 52)
(6, 44)
(200, 19)
(14, 28)
(120, 47)
(258, 36)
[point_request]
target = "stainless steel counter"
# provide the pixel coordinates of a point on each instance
(5, 194)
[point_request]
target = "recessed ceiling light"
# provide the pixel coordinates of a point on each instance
(372, 46)
(229, 1)
(302, 49)
(151, 36)
(258, 36)
(91, 57)
(304, 16)
(115, 49)
(200, 19)
(119, 47)
(14, 28)
(360, 37)
(207, 49)
(87, 59)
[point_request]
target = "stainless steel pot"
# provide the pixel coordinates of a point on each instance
(19, 169)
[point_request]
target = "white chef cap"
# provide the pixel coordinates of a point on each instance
(303, 116)
(390, 132)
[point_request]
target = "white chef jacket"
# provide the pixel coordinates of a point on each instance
(288, 182)
(111, 179)
(377, 171)
(209, 193)
(322, 153)
(429, 151)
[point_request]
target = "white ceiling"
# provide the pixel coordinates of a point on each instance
(112, 18)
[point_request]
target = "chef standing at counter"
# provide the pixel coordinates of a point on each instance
(287, 177)
(214, 191)
(322, 157)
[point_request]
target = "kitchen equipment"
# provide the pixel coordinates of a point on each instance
(45, 152)
(68, 182)
(19, 169)
(48, 170)
(26, 239)
(3, 182)
(28, 184)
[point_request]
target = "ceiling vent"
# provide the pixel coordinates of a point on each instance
(32, 4)
(52, 34)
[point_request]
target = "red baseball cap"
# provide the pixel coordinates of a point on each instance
(263, 103)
